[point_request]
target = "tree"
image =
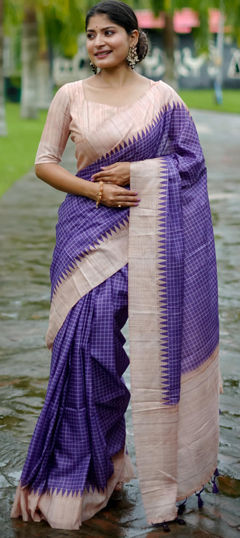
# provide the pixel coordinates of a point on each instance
(46, 25)
(29, 108)
(231, 9)
(232, 14)
(3, 128)
(167, 7)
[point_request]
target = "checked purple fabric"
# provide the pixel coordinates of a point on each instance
(191, 275)
(82, 421)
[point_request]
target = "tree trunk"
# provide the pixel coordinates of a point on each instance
(29, 105)
(44, 82)
(169, 47)
(3, 127)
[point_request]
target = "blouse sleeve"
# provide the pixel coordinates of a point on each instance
(56, 130)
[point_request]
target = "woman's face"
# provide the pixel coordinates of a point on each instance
(108, 43)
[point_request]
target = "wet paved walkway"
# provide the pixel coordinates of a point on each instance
(27, 226)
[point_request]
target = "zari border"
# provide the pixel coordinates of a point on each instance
(126, 124)
(68, 511)
(130, 123)
(103, 260)
(198, 425)
(176, 445)
(155, 423)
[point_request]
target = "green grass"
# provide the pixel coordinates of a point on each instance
(205, 100)
(18, 148)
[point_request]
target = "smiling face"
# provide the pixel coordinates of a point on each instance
(108, 43)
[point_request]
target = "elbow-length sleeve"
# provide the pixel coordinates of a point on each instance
(56, 130)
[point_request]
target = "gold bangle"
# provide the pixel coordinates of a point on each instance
(99, 194)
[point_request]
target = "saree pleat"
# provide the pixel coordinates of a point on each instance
(82, 426)
(169, 291)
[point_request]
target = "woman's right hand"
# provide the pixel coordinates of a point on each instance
(115, 196)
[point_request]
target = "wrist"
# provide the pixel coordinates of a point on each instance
(93, 189)
(99, 194)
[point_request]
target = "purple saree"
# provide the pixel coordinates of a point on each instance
(156, 264)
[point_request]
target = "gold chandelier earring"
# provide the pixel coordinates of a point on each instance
(132, 57)
(93, 67)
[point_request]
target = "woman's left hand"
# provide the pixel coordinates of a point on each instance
(117, 173)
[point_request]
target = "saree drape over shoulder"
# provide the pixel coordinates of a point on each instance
(154, 263)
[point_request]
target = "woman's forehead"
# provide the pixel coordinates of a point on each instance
(99, 20)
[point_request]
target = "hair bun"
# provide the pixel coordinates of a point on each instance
(142, 46)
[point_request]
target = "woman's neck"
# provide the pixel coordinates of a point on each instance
(117, 77)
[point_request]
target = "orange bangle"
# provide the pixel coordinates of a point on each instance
(99, 194)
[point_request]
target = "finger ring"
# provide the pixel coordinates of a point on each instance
(119, 205)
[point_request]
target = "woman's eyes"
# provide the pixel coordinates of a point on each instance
(106, 33)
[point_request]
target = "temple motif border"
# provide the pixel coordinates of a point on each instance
(164, 432)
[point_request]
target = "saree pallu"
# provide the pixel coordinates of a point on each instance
(156, 264)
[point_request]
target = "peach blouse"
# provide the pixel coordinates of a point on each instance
(70, 114)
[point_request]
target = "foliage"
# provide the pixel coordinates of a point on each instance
(59, 21)
(163, 5)
(12, 14)
(230, 8)
(63, 21)
(232, 12)
(140, 4)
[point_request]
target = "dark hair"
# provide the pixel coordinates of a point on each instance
(123, 15)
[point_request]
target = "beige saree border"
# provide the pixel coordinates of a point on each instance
(198, 426)
(155, 424)
(64, 511)
(176, 445)
(127, 123)
(103, 260)
(132, 121)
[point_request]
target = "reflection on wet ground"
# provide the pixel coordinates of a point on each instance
(28, 216)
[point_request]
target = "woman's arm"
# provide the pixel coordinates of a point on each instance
(61, 179)
(52, 144)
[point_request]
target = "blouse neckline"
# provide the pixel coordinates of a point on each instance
(151, 85)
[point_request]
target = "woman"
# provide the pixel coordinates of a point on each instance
(134, 237)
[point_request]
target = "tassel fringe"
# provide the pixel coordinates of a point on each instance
(214, 485)
(200, 501)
